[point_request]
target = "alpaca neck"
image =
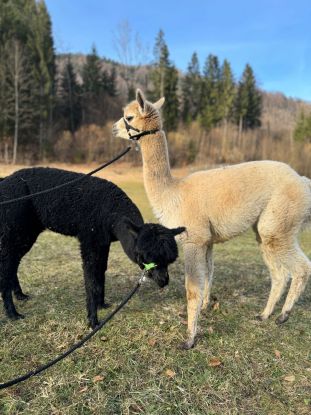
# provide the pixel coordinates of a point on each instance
(156, 165)
(127, 240)
(157, 174)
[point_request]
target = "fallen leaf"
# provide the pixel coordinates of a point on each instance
(104, 338)
(83, 389)
(170, 373)
(216, 306)
(210, 329)
(289, 378)
(214, 361)
(277, 354)
(152, 342)
(184, 322)
(98, 378)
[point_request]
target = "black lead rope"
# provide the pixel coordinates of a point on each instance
(78, 344)
(79, 179)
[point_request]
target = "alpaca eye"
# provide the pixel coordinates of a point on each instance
(129, 118)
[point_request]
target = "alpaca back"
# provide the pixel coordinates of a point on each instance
(78, 208)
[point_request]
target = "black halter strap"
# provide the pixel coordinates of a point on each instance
(136, 137)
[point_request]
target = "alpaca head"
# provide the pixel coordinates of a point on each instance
(139, 116)
(155, 244)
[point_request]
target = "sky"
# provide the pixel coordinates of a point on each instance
(273, 36)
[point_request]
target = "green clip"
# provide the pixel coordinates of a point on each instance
(149, 266)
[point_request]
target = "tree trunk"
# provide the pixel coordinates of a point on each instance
(16, 97)
(224, 140)
(6, 153)
(240, 130)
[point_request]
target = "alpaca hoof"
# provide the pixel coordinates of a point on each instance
(17, 316)
(103, 306)
(21, 296)
(282, 318)
(189, 344)
(93, 323)
(259, 317)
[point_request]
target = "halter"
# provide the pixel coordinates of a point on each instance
(139, 134)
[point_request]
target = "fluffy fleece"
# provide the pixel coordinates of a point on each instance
(96, 212)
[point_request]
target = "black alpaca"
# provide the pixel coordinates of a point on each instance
(96, 212)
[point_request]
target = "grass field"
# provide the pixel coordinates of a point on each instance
(134, 366)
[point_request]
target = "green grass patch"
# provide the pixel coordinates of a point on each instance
(134, 366)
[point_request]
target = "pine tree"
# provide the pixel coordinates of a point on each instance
(26, 23)
(91, 74)
(302, 131)
(191, 90)
(165, 81)
(227, 92)
(109, 82)
(248, 101)
(42, 47)
(226, 100)
(210, 93)
(70, 98)
(92, 87)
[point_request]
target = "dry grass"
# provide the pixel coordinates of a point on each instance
(134, 365)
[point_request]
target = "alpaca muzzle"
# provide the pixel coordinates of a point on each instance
(160, 276)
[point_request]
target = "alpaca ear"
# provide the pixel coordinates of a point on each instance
(178, 231)
(133, 228)
(157, 105)
(141, 100)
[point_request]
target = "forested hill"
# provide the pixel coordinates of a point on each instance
(278, 111)
(61, 107)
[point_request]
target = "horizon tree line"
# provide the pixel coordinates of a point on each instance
(42, 95)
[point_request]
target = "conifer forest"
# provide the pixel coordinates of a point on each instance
(61, 106)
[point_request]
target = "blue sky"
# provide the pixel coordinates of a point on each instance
(273, 36)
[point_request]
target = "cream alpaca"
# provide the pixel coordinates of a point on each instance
(216, 205)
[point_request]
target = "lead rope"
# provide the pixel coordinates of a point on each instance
(42, 368)
(79, 179)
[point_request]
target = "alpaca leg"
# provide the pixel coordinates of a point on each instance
(279, 277)
(209, 277)
(8, 272)
(9, 306)
(196, 269)
(18, 292)
(300, 271)
(91, 297)
(90, 259)
(100, 277)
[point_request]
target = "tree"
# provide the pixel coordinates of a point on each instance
(19, 86)
(91, 74)
(131, 53)
(26, 26)
(70, 98)
(227, 92)
(226, 98)
(109, 82)
(302, 131)
(165, 81)
(191, 90)
(210, 93)
(248, 102)
(42, 47)
(92, 87)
